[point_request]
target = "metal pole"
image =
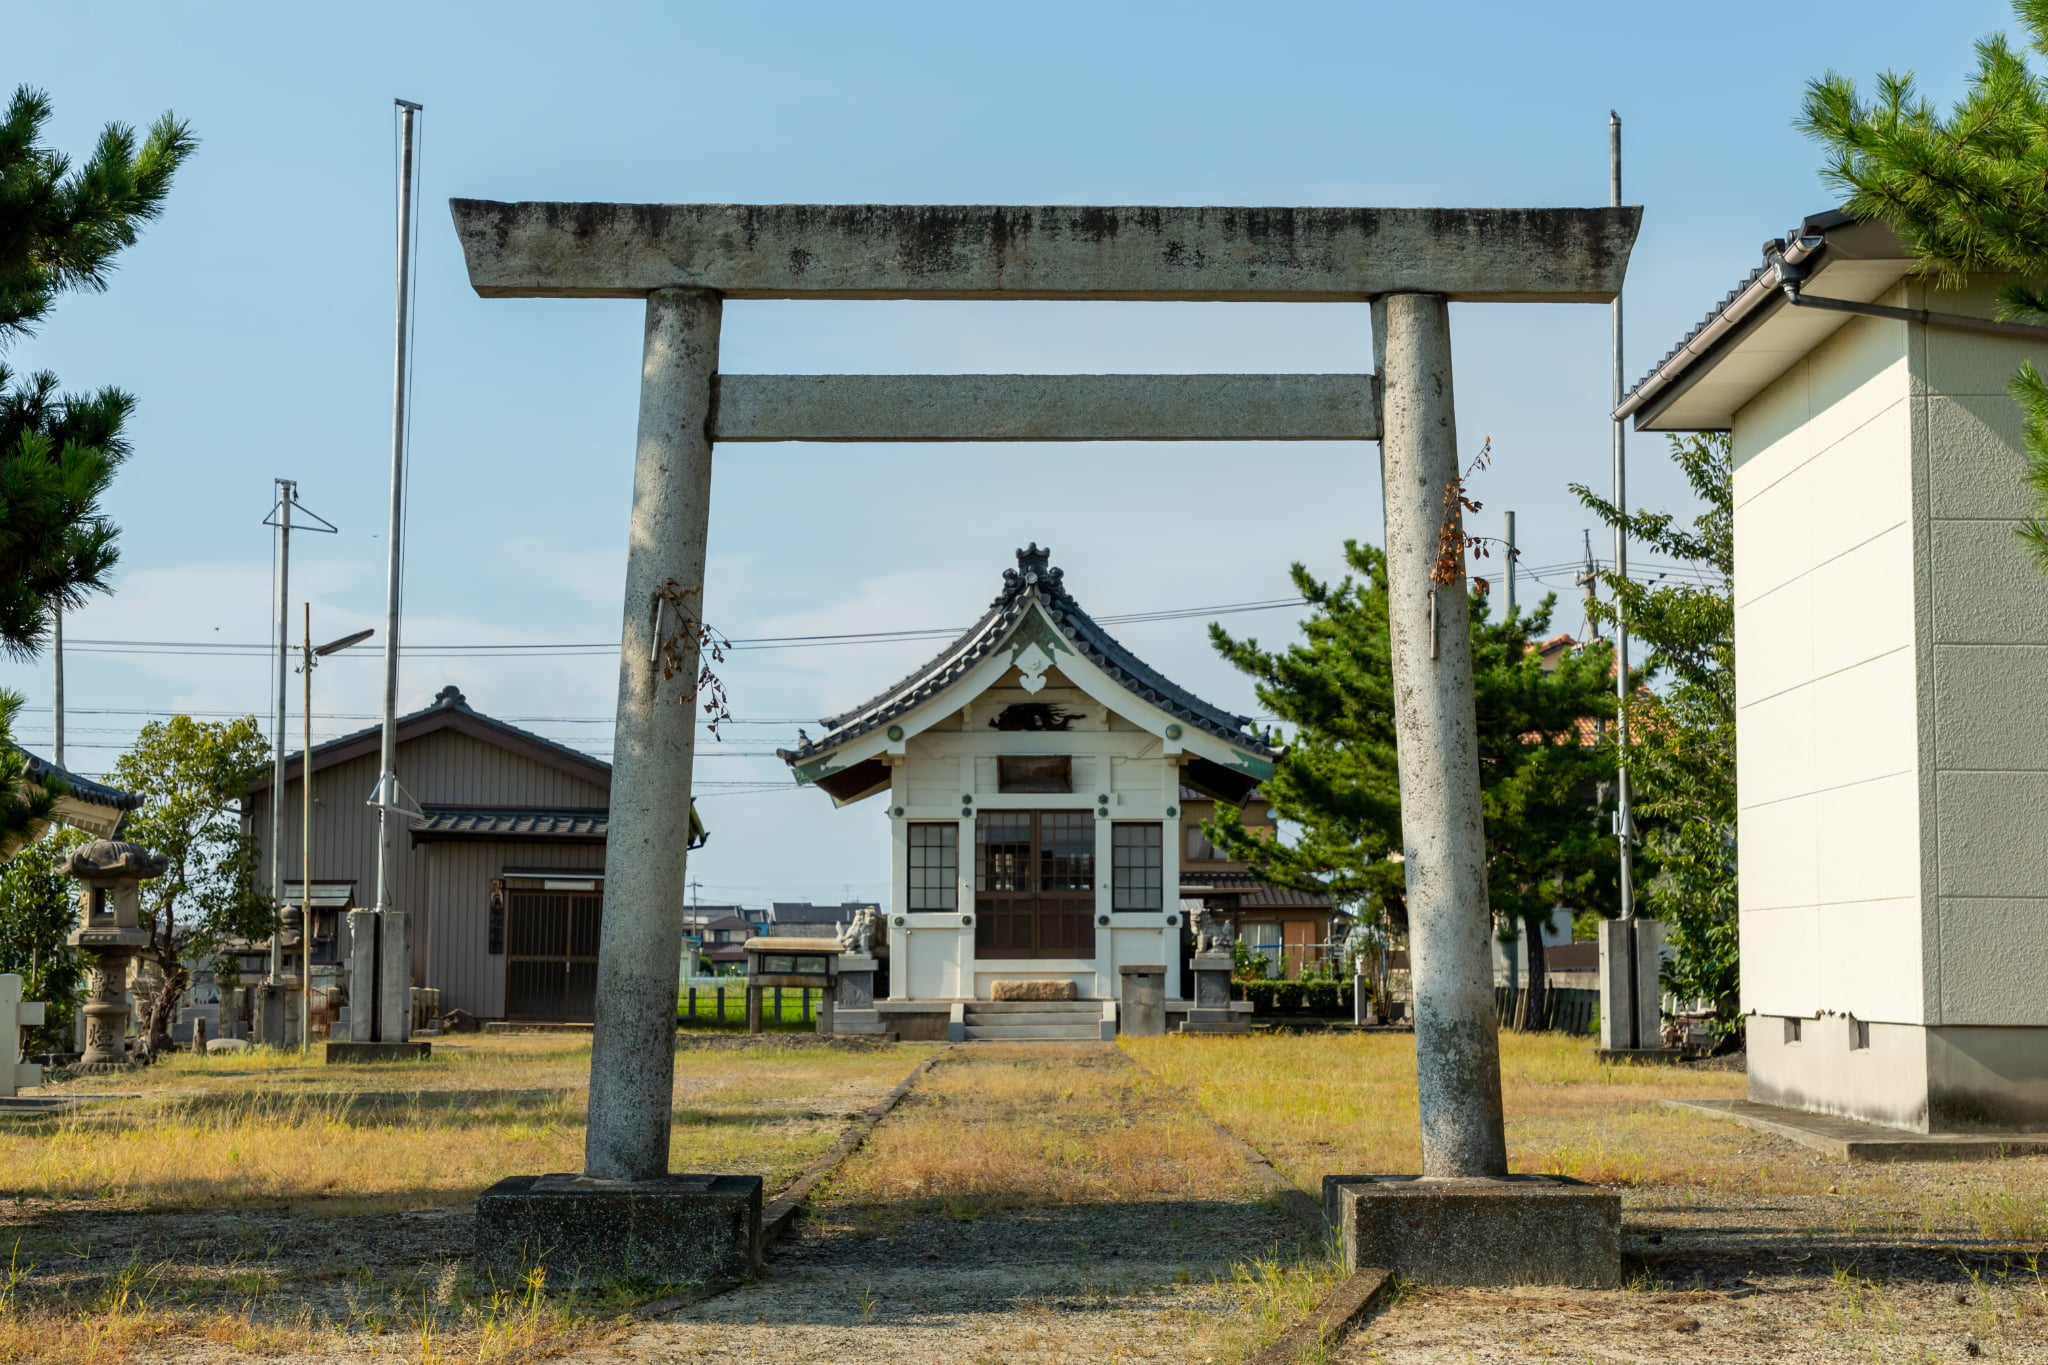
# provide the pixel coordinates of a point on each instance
(1624, 824)
(1510, 537)
(1457, 1041)
(306, 848)
(287, 493)
(387, 777)
(57, 682)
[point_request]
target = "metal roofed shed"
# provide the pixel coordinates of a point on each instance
(1889, 628)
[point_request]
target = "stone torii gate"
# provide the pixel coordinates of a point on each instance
(684, 260)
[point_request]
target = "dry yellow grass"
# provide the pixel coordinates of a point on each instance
(1331, 1104)
(1001, 1126)
(199, 1174)
(272, 1128)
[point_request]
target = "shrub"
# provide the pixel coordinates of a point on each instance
(1311, 995)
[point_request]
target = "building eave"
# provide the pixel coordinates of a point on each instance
(1031, 589)
(1754, 335)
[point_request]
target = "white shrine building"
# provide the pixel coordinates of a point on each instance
(1033, 773)
(1891, 646)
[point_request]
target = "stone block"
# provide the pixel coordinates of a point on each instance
(1519, 1229)
(1143, 1000)
(348, 1054)
(686, 1229)
(1034, 990)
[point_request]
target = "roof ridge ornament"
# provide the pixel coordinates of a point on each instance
(1033, 568)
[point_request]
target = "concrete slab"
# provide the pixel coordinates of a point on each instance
(1515, 1230)
(1046, 407)
(979, 251)
(1853, 1140)
(685, 1229)
(349, 1054)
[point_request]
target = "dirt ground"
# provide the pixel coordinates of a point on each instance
(1030, 1202)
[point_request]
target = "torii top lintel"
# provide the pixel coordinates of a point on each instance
(883, 251)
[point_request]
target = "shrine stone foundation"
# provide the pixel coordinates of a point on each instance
(684, 260)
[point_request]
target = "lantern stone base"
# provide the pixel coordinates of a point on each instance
(349, 1054)
(1518, 1229)
(686, 1229)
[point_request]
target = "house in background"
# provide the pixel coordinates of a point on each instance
(1290, 929)
(803, 919)
(502, 878)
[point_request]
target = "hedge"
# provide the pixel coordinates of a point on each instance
(1298, 997)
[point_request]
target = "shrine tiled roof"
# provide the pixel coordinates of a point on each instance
(464, 822)
(1033, 581)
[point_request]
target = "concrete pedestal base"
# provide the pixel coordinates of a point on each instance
(348, 1054)
(687, 1229)
(1521, 1229)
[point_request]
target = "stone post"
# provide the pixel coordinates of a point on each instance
(632, 1059)
(362, 976)
(1457, 1047)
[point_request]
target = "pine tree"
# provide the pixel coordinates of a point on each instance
(61, 228)
(1339, 782)
(1682, 755)
(1966, 193)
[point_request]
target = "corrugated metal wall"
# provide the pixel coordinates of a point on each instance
(444, 885)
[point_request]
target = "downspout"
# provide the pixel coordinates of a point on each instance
(1787, 273)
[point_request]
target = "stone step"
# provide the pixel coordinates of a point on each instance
(1075, 1033)
(1089, 1007)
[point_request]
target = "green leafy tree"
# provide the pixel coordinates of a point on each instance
(1967, 192)
(192, 776)
(1682, 759)
(62, 225)
(38, 910)
(1339, 782)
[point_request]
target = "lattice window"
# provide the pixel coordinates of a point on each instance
(935, 867)
(1137, 865)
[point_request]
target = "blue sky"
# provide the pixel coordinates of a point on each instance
(254, 321)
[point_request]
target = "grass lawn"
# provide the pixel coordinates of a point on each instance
(1738, 1245)
(258, 1202)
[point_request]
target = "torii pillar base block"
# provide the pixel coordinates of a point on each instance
(685, 1229)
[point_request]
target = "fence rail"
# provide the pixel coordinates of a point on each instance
(1571, 1010)
(719, 1006)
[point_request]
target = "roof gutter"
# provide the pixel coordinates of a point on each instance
(1758, 293)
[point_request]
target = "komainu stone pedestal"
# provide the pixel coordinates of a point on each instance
(854, 996)
(1518, 1229)
(1211, 1012)
(687, 1229)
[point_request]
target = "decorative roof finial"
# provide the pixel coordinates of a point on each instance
(1032, 562)
(451, 695)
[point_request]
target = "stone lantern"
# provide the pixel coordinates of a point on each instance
(109, 932)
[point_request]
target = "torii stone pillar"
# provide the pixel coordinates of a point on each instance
(1457, 1043)
(632, 1056)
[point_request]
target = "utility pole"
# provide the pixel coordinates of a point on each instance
(287, 494)
(57, 682)
(1509, 537)
(393, 960)
(1588, 578)
(281, 518)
